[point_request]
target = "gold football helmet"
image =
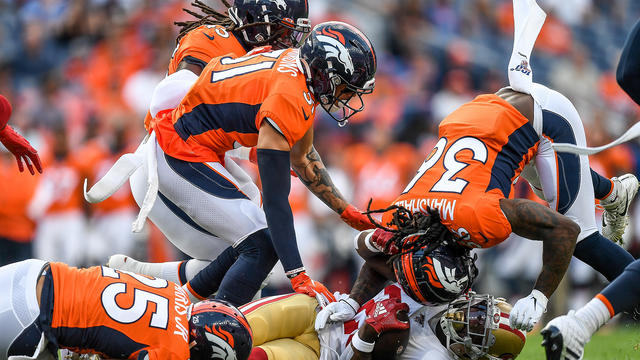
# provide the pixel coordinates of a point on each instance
(476, 327)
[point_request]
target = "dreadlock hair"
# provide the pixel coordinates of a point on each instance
(413, 231)
(209, 16)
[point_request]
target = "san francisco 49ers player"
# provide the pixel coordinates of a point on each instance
(113, 314)
(267, 100)
(409, 319)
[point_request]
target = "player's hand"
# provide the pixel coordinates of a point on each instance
(21, 149)
(302, 283)
(382, 241)
(357, 220)
(384, 316)
(527, 311)
(342, 310)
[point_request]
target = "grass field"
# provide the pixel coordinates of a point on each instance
(615, 343)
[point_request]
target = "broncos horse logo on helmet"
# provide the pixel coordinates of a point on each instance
(340, 63)
(218, 330)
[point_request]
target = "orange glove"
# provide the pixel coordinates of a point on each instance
(302, 283)
(357, 220)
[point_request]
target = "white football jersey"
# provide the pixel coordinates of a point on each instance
(335, 339)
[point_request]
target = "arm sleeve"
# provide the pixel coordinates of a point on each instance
(170, 91)
(628, 72)
(274, 168)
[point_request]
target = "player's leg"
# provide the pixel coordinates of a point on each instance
(283, 349)
(567, 182)
(19, 308)
(566, 336)
(256, 258)
(289, 316)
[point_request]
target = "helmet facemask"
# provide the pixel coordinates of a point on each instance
(472, 328)
(345, 98)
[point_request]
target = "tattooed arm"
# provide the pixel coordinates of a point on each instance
(310, 169)
(375, 272)
(557, 232)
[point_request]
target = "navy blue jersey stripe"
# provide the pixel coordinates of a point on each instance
(559, 130)
(205, 178)
(510, 156)
(181, 214)
(103, 339)
(230, 117)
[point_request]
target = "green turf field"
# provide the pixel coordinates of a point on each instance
(619, 343)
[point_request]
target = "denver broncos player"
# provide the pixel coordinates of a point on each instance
(114, 314)
(267, 99)
(566, 336)
(249, 24)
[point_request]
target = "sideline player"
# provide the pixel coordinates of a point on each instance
(111, 313)
(16, 144)
(269, 100)
(566, 336)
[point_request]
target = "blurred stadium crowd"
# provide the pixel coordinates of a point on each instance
(80, 74)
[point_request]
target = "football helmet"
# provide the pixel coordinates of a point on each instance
(279, 23)
(340, 63)
(435, 276)
(218, 330)
(477, 327)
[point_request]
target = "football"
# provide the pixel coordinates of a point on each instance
(392, 343)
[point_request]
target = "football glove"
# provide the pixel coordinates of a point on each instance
(381, 240)
(527, 311)
(302, 283)
(342, 310)
(384, 316)
(21, 149)
(357, 220)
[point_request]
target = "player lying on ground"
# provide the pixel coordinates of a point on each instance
(409, 319)
(566, 336)
(269, 100)
(115, 314)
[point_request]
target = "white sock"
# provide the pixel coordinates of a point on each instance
(594, 315)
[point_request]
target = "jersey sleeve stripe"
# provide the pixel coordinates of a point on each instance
(510, 156)
(229, 117)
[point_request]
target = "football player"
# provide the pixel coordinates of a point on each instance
(409, 319)
(267, 99)
(484, 146)
(566, 336)
(111, 313)
(248, 25)
(15, 143)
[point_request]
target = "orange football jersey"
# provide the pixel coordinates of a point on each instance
(117, 314)
(483, 146)
(226, 106)
(199, 46)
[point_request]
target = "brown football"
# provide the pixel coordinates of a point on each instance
(392, 343)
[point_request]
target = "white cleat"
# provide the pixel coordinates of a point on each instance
(564, 338)
(616, 207)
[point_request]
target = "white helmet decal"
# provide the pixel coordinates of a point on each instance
(335, 48)
(221, 349)
(447, 277)
(281, 4)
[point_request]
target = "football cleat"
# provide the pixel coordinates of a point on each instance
(564, 338)
(616, 207)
